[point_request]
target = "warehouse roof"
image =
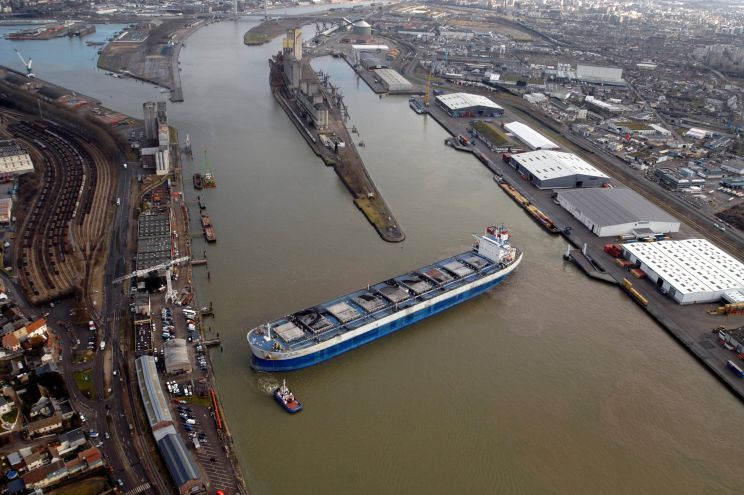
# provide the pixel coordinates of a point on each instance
(529, 136)
(155, 403)
(456, 101)
(392, 78)
(593, 73)
(176, 356)
(691, 265)
(614, 206)
(178, 460)
(547, 164)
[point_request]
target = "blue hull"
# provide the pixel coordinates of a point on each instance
(331, 352)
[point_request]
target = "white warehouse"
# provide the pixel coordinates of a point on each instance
(690, 271)
(533, 139)
(555, 170)
(616, 211)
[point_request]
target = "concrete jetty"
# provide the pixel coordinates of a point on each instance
(317, 110)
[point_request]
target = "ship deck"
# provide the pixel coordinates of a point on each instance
(343, 314)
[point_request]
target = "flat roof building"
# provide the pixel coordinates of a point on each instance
(735, 166)
(180, 463)
(392, 80)
(616, 211)
(14, 159)
(530, 137)
(156, 405)
(690, 271)
(600, 75)
(548, 169)
(176, 357)
(468, 105)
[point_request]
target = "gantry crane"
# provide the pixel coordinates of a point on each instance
(170, 294)
(27, 65)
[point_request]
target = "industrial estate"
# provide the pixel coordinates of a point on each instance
(616, 126)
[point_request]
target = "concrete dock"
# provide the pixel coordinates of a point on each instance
(691, 325)
(346, 161)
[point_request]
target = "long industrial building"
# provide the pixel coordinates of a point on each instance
(600, 75)
(557, 170)
(178, 459)
(689, 271)
(530, 137)
(392, 80)
(468, 105)
(617, 211)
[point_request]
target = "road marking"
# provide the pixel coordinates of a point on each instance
(142, 488)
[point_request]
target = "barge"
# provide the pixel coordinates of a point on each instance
(319, 333)
(208, 228)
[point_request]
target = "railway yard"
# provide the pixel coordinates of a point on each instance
(64, 217)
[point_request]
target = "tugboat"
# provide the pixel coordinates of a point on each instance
(286, 399)
(198, 184)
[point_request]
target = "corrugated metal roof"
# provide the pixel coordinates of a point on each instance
(529, 136)
(456, 101)
(178, 460)
(156, 406)
(615, 206)
(691, 265)
(547, 164)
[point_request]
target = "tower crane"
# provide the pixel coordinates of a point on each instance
(27, 65)
(170, 295)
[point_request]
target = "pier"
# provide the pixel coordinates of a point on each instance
(323, 125)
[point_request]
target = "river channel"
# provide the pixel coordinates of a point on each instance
(550, 383)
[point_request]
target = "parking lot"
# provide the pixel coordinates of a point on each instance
(210, 453)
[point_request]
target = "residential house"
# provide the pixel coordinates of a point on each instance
(69, 441)
(45, 476)
(37, 328)
(5, 405)
(45, 425)
(33, 459)
(11, 342)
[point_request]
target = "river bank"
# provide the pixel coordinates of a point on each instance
(691, 325)
(617, 387)
(151, 56)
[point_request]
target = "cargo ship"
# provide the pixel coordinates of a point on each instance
(319, 333)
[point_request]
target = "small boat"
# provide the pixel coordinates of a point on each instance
(198, 184)
(286, 399)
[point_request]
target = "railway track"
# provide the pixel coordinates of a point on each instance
(65, 206)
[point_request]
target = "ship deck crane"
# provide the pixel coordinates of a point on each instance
(170, 295)
(27, 65)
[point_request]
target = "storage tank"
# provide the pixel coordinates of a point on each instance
(362, 28)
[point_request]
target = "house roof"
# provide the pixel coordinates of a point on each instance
(35, 325)
(10, 341)
(90, 456)
(44, 423)
(39, 474)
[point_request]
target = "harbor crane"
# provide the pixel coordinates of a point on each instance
(170, 295)
(27, 65)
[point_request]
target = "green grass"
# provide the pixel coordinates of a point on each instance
(495, 136)
(11, 416)
(84, 381)
(205, 401)
(255, 39)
